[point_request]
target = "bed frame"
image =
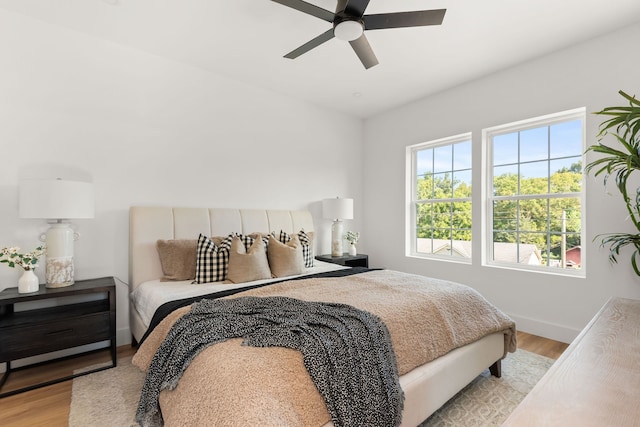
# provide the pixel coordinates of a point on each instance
(426, 388)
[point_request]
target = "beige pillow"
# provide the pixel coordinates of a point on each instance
(285, 259)
(247, 266)
(178, 259)
(306, 240)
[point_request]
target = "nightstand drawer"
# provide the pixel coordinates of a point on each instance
(18, 342)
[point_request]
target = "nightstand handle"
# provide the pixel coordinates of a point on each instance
(63, 331)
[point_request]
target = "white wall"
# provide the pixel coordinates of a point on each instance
(150, 131)
(589, 75)
(146, 130)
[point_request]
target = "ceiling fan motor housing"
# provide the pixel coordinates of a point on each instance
(348, 29)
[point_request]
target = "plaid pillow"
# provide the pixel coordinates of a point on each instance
(212, 261)
(307, 249)
(305, 241)
(248, 240)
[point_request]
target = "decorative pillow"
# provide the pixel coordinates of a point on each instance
(212, 261)
(249, 239)
(245, 266)
(285, 259)
(177, 258)
(306, 239)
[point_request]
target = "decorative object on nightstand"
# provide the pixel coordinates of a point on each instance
(352, 237)
(28, 282)
(57, 200)
(337, 209)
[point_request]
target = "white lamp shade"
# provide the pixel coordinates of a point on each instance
(337, 208)
(56, 199)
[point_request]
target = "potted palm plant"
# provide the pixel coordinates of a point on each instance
(620, 162)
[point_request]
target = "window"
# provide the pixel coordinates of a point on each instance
(440, 198)
(535, 193)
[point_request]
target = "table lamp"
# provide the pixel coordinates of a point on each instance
(57, 201)
(337, 209)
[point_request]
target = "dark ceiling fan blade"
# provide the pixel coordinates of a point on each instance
(363, 50)
(308, 8)
(326, 36)
(356, 7)
(418, 18)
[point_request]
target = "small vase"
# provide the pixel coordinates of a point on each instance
(28, 282)
(352, 250)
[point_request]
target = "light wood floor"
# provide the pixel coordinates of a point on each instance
(49, 406)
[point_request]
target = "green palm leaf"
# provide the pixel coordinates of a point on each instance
(620, 163)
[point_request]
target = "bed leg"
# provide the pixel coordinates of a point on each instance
(496, 369)
(134, 342)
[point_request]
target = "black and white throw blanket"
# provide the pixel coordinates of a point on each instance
(347, 352)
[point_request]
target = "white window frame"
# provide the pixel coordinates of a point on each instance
(411, 202)
(488, 198)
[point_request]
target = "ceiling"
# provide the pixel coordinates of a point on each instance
(246, 40)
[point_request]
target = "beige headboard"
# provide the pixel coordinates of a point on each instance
(148, 224)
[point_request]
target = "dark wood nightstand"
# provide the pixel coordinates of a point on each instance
(360, 260)
(26, 332)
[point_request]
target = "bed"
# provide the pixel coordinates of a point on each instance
(426, 387)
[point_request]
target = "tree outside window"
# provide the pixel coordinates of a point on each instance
(536, 192)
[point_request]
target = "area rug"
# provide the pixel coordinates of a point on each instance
(487, 400)
(109, 398)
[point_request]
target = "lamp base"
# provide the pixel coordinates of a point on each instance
(336, 238)
(59, 268)
(59, 272)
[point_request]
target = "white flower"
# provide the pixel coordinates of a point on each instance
(352, 237)
(28, 261)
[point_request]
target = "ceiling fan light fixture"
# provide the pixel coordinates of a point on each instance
(349, 23)
(348, 30)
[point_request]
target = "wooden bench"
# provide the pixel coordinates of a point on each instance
(596, 381)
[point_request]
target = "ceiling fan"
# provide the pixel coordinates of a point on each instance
(350, 22)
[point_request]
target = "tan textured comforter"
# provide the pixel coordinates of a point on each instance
(232, 385)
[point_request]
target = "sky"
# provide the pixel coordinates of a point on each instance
(541, 151)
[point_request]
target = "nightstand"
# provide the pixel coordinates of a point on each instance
(62, 324)
(360, 260)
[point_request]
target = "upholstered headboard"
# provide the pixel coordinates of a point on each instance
(148, 224)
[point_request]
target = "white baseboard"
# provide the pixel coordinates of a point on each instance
(545, 329)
